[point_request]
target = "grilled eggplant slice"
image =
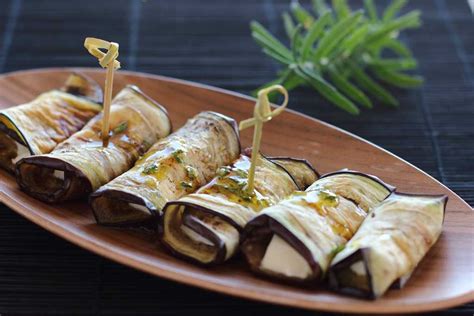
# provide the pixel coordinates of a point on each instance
(173, 167)
(81, 164)
(296, 239)
(300, 170)
(205, 227)
(37, 127)
(389, 245)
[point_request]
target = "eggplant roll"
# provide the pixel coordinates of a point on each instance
(173, 167)
(296, 239)
(388, 246)
(81, 164)
(37, 127)
(205, 227)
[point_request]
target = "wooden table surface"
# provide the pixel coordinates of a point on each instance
(208, 42)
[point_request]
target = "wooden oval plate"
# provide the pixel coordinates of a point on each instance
(444, 278)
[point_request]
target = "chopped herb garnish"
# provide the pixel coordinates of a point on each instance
(336, 250)
(223, 171)
(177, 155)
(191, 172)
(240, 182)
(147, 144)
(186, 185)
(121, 127)
(150, 169)
(328, 196)
(237, 187)
(241, 173)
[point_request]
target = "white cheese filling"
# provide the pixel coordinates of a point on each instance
(139, 207)
(58, 174)
(358, 268)
(404, 278)
(21, 152)
(281, 258)
(195, 236)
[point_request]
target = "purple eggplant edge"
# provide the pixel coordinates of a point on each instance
(10, 133)
(362, 253)
(233, 124)
(444, 198)
(359, 254)
(302, 160)
(149, 99)
(248, 152)
(126, 197)
(221, 253)
(264, 220)
(387, 186)
(44, 161)
(91, 82)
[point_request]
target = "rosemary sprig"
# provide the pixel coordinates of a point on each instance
(339, 52)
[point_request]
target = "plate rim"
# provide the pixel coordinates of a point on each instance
(177, 276)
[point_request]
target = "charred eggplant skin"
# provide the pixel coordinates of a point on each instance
(80, 164)
(173, 167)
(53, 116)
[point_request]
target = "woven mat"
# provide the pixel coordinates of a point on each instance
(208, 41)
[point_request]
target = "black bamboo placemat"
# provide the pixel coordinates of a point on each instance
(208, 41)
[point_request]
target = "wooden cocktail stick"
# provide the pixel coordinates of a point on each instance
(262, 113)
(96, 48)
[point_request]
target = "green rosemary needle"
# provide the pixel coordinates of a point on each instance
(342, 53)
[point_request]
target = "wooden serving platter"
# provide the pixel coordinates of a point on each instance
(444, 278)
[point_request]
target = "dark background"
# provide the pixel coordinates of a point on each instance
(209, 42)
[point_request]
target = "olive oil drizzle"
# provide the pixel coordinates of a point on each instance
(232, 182)
(171, 156)
(323, 202)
